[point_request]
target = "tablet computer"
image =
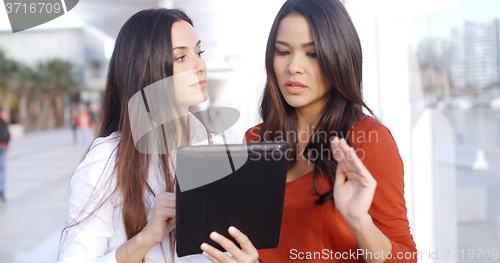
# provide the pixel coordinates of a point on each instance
(245, 188)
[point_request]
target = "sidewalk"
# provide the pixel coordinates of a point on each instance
(39, 167)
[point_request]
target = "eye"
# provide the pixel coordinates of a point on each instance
(200, 52)
(282, 52)
(312, 54)
(180, 58)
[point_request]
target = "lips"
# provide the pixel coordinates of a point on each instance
(295, 87)
(200, 84)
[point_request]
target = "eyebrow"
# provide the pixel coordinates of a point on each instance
(183, 47)
(303, 45)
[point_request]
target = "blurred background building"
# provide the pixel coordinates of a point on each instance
(71, 51)
(475, 55)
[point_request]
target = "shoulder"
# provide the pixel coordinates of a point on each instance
(377, 149)
(98, 162)
(365, 123)
(102, 148)
(367, 130)
(253, 134)
(375, 146)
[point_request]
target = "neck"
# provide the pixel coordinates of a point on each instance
(184, 110)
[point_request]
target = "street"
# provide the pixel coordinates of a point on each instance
(39, 167)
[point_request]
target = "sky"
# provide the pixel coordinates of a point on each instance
(442, 15)
(65, 21)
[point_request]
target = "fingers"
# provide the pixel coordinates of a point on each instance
(214, 254)
(242, 239)
(340, 178)
(227, 244)
(334, 144)
(165, 205)
(339, 148)
(213, 259)
(344, 154)
(172, 222)
(163, 218)
(357, 162)
(165, 199)
(167, 213)
(341, 153)
(349, 165)
(248, 253)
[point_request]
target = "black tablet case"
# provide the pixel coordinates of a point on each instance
(251, 198)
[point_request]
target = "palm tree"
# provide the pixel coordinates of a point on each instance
(8, 67)
(56, 78)
(48, 84)
(25, 79)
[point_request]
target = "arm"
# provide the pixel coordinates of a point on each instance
(388, 208)
(378, 220)
(162, 222)
(353, 194)
(88, 240)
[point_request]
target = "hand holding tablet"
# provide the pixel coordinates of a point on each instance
(250, 198)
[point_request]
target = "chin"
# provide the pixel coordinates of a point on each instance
(205, 97)
(296, 102)
(197, 99)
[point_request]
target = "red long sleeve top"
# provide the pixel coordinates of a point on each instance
(318, 233)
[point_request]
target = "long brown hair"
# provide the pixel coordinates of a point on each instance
(339, 55)
(143, 55)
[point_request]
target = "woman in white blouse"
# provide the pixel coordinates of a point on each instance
(122, 204)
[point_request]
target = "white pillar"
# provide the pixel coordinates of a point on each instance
(385, 32)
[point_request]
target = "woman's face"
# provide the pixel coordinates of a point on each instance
(190, 74)
(296, 66)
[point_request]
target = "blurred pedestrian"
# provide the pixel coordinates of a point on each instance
(83, 120)
(4, 144)
(94, 113)
(73, 121)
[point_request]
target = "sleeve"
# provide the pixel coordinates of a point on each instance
(378, 151)
(88, 240)
(253, 134)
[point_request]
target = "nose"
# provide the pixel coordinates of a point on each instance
(200, 65)
(295, 65)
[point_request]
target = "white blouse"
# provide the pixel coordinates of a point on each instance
(96, 239)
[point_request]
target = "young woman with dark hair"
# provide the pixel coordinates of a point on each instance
(344, 197)
(122, 204)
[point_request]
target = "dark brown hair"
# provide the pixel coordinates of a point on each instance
(143, 55)
(339, 55)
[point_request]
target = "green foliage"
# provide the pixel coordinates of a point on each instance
(56, 77)
(8, 67)
(49, 79)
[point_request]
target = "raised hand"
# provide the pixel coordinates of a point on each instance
(354, 185)
(247, 254)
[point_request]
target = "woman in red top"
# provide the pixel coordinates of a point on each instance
(344, 198)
